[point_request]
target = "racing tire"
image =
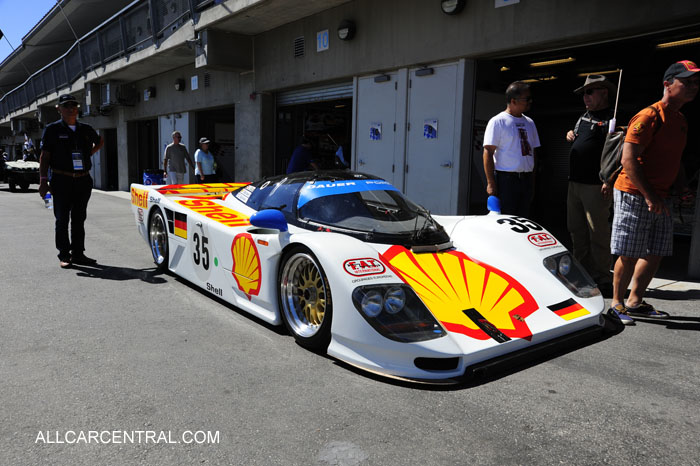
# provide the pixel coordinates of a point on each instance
(158, 239)
(24, 186)
(305, 299)
(13, 186)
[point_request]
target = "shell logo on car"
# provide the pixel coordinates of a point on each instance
(216, 212)
(246, 264)
(139, 198)
(466, 296)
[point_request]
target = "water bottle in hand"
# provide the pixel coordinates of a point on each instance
(48, 201)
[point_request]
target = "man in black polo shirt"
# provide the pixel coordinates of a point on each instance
(589, 199)
(66, 148)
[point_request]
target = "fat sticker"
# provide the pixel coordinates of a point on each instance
(542, 240)
(364, 266)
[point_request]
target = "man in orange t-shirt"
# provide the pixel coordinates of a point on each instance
(642, 230)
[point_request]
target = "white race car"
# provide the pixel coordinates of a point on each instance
(352, 267)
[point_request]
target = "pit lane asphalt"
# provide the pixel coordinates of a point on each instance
(117, 347)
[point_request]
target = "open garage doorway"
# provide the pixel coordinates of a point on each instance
(218, 125)
(556, 109)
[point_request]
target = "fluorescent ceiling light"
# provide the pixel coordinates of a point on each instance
(552, 62)
(536, 80)
(678, 43)
(583, 75)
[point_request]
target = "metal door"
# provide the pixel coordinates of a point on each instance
(432, 152)
(380, 120)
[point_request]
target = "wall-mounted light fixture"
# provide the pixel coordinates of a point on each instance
(179, 84)
(558, 61)
(424, 72)
(346, 30)
(382, 78)
(452, 7)
(583, 75)
(678, 43)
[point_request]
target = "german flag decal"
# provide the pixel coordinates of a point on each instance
(569, 309)
(180, 225)
(466, 296)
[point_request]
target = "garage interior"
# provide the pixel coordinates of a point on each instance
(556, 108)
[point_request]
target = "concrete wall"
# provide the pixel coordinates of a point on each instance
(397, 33)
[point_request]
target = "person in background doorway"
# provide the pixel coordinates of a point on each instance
(588, 199)
(174, 160)
(204, 161)
(67, 146)
(509, 152)
(302, 158)
(642, 231)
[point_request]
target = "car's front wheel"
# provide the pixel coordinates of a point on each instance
(158, 239)
(305, 299)
(24, 186)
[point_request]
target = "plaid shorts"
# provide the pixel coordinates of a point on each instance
(636, 232)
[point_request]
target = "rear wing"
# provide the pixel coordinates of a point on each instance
(210, 190)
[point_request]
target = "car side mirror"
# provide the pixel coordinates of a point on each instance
(269, 218)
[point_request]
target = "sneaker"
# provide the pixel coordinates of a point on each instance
(619, 312)
(646, 310)
(64, 263)
(82, 259)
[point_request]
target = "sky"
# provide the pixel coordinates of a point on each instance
(17, 18)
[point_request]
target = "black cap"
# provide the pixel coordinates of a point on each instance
(681, 69)
(65, 98)
(204, 141)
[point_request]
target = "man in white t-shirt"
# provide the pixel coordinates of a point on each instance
(509, 152)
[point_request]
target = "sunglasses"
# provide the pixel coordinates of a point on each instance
(591, 90)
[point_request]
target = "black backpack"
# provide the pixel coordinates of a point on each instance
(611, 157)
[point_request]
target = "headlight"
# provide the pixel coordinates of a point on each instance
(394, 300)
(571, 274)
(372, 303)
(396, 312)
(565, 265)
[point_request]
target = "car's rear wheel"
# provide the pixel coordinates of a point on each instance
(305, 299)
(158, 239)
(24, 186)
(13, 185)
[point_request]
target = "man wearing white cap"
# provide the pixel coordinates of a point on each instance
(588, 199)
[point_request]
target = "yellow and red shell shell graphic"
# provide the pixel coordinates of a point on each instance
(246, 264)
(450, 282)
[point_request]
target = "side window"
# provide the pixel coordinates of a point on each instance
(280, 197)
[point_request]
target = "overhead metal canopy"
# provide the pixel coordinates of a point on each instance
(51, 37)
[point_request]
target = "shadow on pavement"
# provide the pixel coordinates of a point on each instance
(107, 272)
(673, 295)
(674, 322)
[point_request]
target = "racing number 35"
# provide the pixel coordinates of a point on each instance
(520, 224)
(202, 255)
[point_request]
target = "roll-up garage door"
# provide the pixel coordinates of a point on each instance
(315, 94)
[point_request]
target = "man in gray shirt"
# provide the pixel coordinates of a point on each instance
(174, 160)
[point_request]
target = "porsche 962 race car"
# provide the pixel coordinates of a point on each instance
(352, 267)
